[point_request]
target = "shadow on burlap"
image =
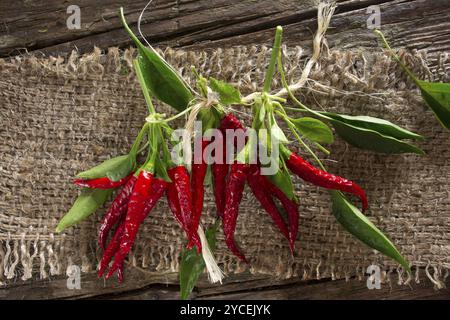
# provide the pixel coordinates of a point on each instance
(59, 117)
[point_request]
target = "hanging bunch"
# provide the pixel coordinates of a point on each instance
(141, 184)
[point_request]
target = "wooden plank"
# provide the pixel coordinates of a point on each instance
(35, 24)
(206, 24)
(141, 285)
(411, 25)
(337, 290)
(91, 286)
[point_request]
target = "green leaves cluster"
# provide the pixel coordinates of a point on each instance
(363, 132)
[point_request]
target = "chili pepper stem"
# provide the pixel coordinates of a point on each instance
(292, 127)
(291, 94)
(182, 113)
(215, 274)
(134, 148)
(146, 144)
(325, 11)
(396, 58)
(140, 76)
(322, 148)
(306, 146)
(273, 59)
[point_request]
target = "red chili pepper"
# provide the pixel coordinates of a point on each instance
(219, 173)
(102, 183)
(179, 199)
(146, 193)
(111, 250)
(233, 192)
(220, 170)
(290, 207)
(229, 121)
(117, 210)
(321, 178)
(198, 189)
(258, 186)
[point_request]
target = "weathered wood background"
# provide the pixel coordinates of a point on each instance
(39, 27)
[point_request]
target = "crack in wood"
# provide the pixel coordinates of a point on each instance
(230, 26)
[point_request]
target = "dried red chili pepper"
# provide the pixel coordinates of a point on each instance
(102, 183)
(290, 207)
(172, 201)
(258, 185)
(233, 192)
(111, 250)
(146, 193)
(179, 199)
(229, 121)
(220, 170)
(198, 189)
(321, 178)
(117, 210)
(219, 173)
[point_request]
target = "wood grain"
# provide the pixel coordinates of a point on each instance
(140, 285)
(35, 26)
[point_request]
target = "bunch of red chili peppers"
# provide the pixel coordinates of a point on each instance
(142, 186)
(230, 180)
(141, 190)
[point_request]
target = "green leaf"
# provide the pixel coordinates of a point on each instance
(379, 125)
(283, 181)
(278, 134)
(163, 82)
(437, 96)
(86, 204)
(115, 169)
(192, 264)
(372, 140)
(227, 93)
(362, 228)
(314, 129)
(161, 171)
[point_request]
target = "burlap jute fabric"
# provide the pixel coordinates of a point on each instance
(59, 117)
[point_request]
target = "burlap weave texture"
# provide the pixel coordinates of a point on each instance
(59, 117)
